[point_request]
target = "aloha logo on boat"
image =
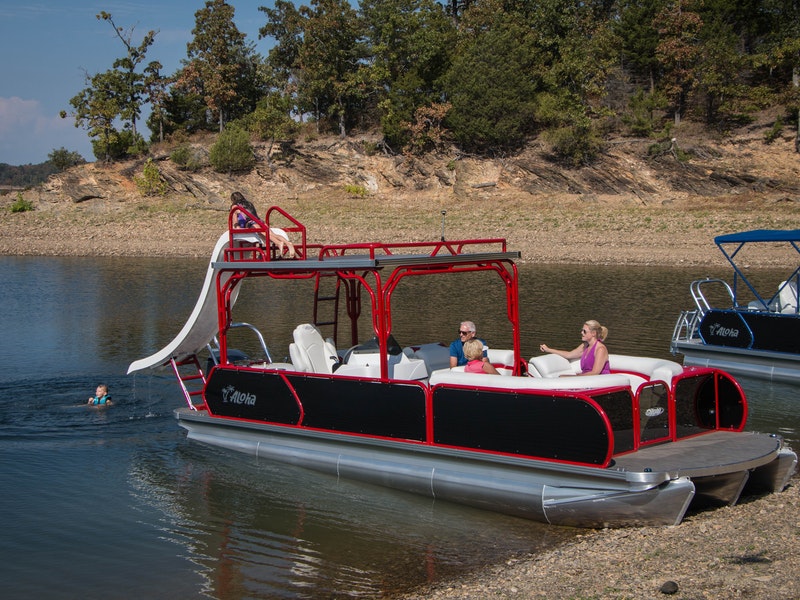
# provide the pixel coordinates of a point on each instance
(721, 331)
(654, 411)
(230, 395)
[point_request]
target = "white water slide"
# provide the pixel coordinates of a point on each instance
(202, 325)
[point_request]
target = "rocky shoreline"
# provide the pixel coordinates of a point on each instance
(751, 550)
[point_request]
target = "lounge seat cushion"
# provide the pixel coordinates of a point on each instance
(551, 365)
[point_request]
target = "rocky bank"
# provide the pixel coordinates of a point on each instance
(638, 204)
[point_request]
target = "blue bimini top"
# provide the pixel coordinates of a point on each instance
(759, 235)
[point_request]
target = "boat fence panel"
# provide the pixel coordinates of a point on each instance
(375, 408)
(251, 394)
(653, 413)
(554, 426)
(618, 407)
(775, 332)
(326, 402)
(707, 401)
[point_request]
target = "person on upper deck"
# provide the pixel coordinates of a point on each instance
(242, 221)
(592, 350)
(466, 331)
(473, 351)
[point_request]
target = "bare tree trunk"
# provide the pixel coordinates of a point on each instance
(796, 84)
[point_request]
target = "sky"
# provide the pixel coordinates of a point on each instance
(48, 46)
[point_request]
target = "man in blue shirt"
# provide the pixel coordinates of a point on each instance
(466, 331)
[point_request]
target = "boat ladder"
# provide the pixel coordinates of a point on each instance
(686, 327)
(326, 302)
(189, 377)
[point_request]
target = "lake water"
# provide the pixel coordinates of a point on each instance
(117, 503)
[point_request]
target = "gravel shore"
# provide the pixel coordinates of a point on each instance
(750, 551)
(553, 229)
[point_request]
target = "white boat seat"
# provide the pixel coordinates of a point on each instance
(312, 351)
(638, 368)
(548, 366)
(501, 357)
(299, 359)
(457, 376)
(436, 356)
(787, 297)
(654, 368)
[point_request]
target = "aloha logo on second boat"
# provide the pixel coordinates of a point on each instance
(721, 331)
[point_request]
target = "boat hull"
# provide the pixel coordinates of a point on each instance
(759, 364)
(560, 494)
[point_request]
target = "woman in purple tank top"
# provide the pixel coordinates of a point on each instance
(592, 350)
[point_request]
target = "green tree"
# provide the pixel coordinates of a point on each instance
(410, 42)
(114, 94)
(95, 108)
(220, 63)
(719, 67)
(635, 28)
(63, 159)
(331, 59)
(285, 26)
(156, 87)
(130, 82)
(232, 151)
(270, 121)
(781, 54)
(493, 85)
(677, 51)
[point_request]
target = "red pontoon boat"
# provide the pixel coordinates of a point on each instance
(634, 447)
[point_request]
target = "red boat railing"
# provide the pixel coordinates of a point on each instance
(253, 243)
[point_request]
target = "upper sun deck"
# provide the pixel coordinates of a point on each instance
(249, 251)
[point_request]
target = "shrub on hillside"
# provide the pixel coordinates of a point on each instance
(185, 158)
(151, 183)
(576, 144)
(232, 151)
(21, 205)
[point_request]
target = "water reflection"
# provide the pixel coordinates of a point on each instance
(257, 529)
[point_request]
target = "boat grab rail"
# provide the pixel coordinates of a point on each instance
(696, 290)
(375, 249)
(214, 351)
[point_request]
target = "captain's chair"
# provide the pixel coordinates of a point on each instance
(310, 352)
(787, 297)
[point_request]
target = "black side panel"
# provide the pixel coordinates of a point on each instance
(731, 405)
(774, 331)
(618, 407)
(370, 407)
(567, 429)
(251, 395)
(696, 404)
(725, 328)
(759, 331)
(332, 403)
